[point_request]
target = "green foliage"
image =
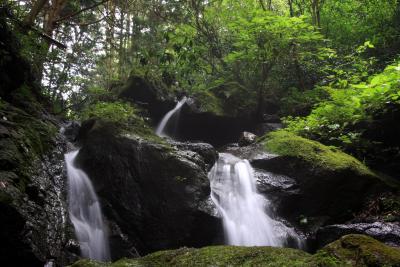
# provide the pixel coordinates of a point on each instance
(236, 100)
(301, 102)
(350, 68)
(125, 118)
(239, 43)
(117, 112)
(207, 102)
(352, 22)
(335, 121)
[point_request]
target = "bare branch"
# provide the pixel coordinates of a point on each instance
(80, 11)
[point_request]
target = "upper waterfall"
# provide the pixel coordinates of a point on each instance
(85, 213)
(161, 127)
(244, 211)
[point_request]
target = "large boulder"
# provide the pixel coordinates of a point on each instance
(386, 232)
(361, 250)
(312, 184)
(217, 115)
(206, 151)
(350, 250)
(34, 221)
(155, 193)
(34, 225)
(216, 256)
(149, 94)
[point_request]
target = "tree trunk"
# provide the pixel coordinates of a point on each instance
(291, 12)
(317, 13)
(50, 17)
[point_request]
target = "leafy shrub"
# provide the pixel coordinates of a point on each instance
(337, 121)
(300, 103)
(124, 116)
(117, 112)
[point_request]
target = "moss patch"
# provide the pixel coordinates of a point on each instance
(24, 138)
(224, 256)
(122, 117)
(287, 144)
(361, 250)
(350, 250)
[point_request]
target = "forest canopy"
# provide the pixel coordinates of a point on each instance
(327, 67)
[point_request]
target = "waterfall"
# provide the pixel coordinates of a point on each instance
(243, 209)
(168, 116)
(85, 213)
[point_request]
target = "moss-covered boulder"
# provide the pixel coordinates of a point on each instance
(226, 107)
(386, 232)
(350, 250)
(361, 250)
(217, 256)
(156, 193)
(311, 152)
(149, 93)
(330, 186)
(32, 182)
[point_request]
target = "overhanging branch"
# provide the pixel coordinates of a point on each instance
(73, 14)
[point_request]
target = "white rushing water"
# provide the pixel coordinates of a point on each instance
(243, 209)
(175, 111)
(85, 213)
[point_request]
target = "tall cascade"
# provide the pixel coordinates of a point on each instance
(175, 111)
(85, 213)
(243, 209)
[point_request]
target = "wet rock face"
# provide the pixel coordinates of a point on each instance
(306, 195)
(276, 187)
(154, 98)
(267, 127)
(210, 128)
(34, 225)
(388, 233)
(153, 192)
(247, 138)
(47, 227)
(215, 124)
(330, 196)
(71, 130)
(206, 151)
(32, 194)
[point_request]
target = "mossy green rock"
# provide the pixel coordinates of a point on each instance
(24, 138)
(217, 256)
(361, 250)
(156, 193)
(330, 186)
(316, 154)
(350, 250)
